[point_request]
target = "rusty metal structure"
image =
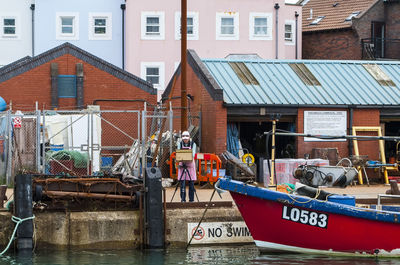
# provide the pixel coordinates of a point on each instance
(85, 193)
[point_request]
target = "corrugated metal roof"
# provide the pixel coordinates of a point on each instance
(341, 82)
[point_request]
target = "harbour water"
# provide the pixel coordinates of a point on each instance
(247, 254)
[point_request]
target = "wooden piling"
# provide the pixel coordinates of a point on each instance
(3, 189)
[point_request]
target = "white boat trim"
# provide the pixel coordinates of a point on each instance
(274, 247)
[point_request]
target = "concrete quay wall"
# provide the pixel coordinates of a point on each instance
(110, 229)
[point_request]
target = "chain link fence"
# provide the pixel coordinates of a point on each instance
(18, 141)
(90, 142)
(120, 149)
(158, 138)
(194, 127)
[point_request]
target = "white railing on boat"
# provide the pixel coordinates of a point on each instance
(379, 206)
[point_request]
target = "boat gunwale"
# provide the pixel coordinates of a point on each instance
(307, 202)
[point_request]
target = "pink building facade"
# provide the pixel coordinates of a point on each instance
(216, 29)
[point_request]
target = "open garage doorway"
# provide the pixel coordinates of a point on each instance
(252, 140)
(392, 128)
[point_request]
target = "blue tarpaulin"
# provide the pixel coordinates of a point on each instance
(232, 141)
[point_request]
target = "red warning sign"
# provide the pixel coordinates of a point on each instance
(199, 233)
(17, 122)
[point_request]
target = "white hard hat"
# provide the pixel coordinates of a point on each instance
(185, 134)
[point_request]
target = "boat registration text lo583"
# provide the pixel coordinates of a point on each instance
(305, 216)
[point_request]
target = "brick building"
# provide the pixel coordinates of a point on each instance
(351, 30)
(68, 77)
(317, 97)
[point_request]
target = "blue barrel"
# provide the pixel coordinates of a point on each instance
(3, 104)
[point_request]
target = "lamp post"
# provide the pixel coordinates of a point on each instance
(276, 6)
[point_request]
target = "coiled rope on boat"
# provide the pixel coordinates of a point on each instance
(18, 221)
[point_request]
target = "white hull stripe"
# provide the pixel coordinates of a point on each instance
(268, 246)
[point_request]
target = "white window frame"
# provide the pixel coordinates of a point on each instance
(161, 16)
(75, 26)
(292, 23)
(161, 67)
(252, 34)
(235, 35)
(17, 29)
(98, 36)
(195, 35)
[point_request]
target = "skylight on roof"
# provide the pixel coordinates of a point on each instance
(243, 73)
(379, 75)
(354, 14)
(304, 2)
(317, 20)
(305, 74)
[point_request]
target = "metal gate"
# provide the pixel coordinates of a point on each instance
(87, 142)
(18, 143)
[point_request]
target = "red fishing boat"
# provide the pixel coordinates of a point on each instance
(282, 222)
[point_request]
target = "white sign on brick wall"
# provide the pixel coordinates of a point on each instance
(332, 123)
